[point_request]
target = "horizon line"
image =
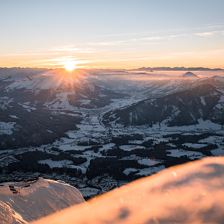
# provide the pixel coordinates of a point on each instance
(121, 68)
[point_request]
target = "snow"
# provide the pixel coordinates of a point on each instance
(128, 171)
(91, 127)
(135, 142)
(150, 170)
(130, 147)
(5, 102)
(85, 102)
(27, 106)
(9, 215)
(71, 146)
(203, 100)
(14, 116)
(6, 128)
(194, 145)
(23, 202)
(107, 147)
(218, 152)
(6, 160)
(221, 100)
(203, 125)
(48, 80)
(148, 162)
(212, 140)
(54, 164)
(220, 104)
(89, 191)
(60, 102)
(190, 193)
(179, 153)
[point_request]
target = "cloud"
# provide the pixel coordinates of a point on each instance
(72, 49)
(141, 39)
(205, 34)
(209, 33)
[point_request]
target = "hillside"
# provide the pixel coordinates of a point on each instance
(202, 101)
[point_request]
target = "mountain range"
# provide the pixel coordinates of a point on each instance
(99, 129)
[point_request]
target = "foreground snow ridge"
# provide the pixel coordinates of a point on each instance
(23, 202)
(190, 193)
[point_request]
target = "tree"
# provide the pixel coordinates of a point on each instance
(222, 117)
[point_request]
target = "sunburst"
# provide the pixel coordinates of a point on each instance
(70, 66)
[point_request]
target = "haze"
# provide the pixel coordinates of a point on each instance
(111, 34)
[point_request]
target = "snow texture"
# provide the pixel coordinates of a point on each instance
(191, 193)
(22, 202)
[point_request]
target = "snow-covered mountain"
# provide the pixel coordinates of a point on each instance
(190, 75)
(204, 100)
(99, 129)
(23, 202)
(34, 104)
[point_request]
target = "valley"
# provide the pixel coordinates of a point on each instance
(103, 129)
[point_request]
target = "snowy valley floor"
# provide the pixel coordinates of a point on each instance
(96, 159)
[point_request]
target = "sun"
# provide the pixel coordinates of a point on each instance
(70, 66)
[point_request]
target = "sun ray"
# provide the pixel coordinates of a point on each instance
(70, 66)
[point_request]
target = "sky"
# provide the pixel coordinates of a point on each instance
(112, 33)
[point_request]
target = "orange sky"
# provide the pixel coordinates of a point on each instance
(112, 34)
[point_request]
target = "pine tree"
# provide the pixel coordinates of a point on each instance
(222, 118)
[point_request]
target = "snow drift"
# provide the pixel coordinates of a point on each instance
(190, 193)
(22, 202)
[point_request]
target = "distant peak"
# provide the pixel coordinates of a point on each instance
(190, 75)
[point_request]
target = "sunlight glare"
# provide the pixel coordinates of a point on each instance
(70, 66)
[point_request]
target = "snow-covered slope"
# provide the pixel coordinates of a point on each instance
(189, 75)
(66, 125)
(22, 202)
(45, 98)
(202, 101)
(191, 193)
